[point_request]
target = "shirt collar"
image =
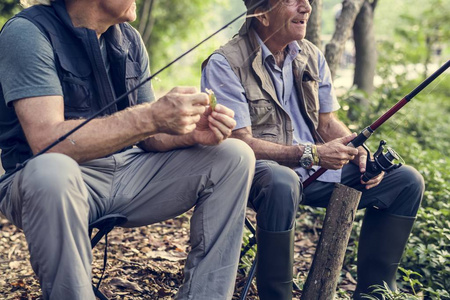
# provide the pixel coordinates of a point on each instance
(293, 47)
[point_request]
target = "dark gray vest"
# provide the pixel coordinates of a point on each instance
(81, 70)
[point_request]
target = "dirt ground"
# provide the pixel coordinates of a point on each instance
(143, 263)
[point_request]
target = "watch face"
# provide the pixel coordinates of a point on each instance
(306, 162)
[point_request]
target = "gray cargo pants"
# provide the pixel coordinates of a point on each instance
(399, 193)
(53, 199)
(276, 193)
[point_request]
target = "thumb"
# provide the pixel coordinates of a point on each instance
(347, 139)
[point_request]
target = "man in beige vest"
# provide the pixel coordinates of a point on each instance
(280, 87)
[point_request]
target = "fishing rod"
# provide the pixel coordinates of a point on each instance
(382, 161)
(20, 166)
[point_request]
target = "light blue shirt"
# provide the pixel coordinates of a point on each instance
(219, 77)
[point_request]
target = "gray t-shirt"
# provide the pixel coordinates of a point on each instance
(27, 64)
(27, 69)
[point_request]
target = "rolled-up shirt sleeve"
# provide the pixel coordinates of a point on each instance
(327, 96)
(221, 79)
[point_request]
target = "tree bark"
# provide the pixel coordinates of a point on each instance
(365, 49)
(344, 24)
(314, 24)
(146, 22)
(322, 279)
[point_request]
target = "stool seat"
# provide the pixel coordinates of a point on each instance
(104, 225)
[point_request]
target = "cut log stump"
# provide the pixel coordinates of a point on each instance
(324, 273)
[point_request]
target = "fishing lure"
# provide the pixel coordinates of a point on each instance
(212, 99)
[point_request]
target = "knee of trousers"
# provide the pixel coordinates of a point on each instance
(412, 180)
(49, 178)
(237, 154)
(412, 177)
(413, 187)
(277, 193)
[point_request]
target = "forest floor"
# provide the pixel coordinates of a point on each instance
(143, 263)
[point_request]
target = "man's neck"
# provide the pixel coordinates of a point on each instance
(87, 18)
(276, 48)
(280, 56)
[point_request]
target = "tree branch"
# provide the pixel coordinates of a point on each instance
(344, 24)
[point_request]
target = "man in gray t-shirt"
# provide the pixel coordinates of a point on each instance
(146, 160)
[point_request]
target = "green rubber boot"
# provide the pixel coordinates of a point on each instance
(274, 268)
(381, 244)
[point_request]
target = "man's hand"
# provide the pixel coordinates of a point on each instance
(335, 154)
(214, 126)
(361, 160)
(179, 111)
(182, 118)
(373, 182)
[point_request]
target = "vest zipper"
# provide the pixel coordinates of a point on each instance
(124, 103)
(104, 87)
(308, 120)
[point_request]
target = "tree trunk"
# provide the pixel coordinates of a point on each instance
(146, 22)
(365, 49)
(314, 22)
(344, 24)
(322, 279)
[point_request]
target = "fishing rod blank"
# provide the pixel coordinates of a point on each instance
(20, 166)
(368, 131)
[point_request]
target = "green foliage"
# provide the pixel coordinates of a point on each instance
(247, 260)
(414, 33)
(384, 292)
(408, 277)
(8, 8)
(180, 25)
(420, 133)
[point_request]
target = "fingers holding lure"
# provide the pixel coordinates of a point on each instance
(212, 99)
(222, 118)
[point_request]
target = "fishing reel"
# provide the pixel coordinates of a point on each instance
(382, 161)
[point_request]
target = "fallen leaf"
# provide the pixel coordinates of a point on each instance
(14, 264)
(124, 283)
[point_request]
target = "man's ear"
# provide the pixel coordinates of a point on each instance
(262, 16)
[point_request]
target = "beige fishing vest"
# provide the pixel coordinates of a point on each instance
(269, 120)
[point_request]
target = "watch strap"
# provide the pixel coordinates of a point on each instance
(315, 155)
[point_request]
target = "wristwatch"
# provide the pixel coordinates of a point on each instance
(309, 156)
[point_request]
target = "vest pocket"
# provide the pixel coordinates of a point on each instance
(76, 93)
(76, 80)
(266, 124)
(266, 132)
(262, 111)
(310, 84)
(132, 76)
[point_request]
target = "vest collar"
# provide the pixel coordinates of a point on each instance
(61, 11)
(258, 66)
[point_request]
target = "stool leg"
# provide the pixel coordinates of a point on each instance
(99, 294)
(251, 275)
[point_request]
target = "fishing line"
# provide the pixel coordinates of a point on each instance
(269, 37)
(413, 108)
(20, 166)
(368, 131)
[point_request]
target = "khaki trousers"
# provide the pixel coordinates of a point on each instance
(53, 199)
